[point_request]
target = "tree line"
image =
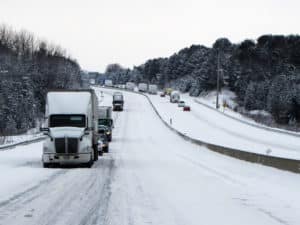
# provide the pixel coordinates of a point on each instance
(264, 74)
(28, 68)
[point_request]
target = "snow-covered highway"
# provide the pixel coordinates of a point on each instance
(150, 176)
(210, 126)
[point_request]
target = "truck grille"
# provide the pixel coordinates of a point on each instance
(66, 145)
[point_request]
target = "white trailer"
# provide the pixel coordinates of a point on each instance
(72, 119)
(130, 86)
(108, 83)
(174, 97)
(143, 87)
(152, 89)
(92, 81)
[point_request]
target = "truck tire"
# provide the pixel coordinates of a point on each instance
(89, 164)
(110, 138)
(106, 149)
(46, 165)
(100, 153)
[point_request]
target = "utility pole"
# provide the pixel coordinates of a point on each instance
(218, 81)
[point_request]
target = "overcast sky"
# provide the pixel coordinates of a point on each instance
(99, 32)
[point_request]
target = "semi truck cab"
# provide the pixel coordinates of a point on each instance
(72, 128)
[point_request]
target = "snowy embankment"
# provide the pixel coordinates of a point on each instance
(209, 100)
(11, 141)
(210, 126)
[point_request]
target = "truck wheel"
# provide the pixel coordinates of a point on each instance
(106, 150)
(110, 138)
(89, 164)
(100, 153)
(46, 165)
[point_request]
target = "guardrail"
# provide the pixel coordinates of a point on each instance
(249, 123)
(272, 161)
(9, 146)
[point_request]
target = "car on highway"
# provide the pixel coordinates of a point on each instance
(105, 119)
(104, 137)
(162, 95)
(181, 103)
(100, 147)
(186, 108)
(104, 143)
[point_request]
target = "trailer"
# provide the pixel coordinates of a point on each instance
(108, 83)
(152, 89)
(174, 97)
(130, 86)
(143, 87)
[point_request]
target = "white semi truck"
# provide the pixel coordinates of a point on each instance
(108, 83)
(152, 89)
(72, 128)
(118, 101)
(174, 97)
(143, 87)
(130, 86)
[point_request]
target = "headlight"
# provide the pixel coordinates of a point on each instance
(107, 132)
(46, 149)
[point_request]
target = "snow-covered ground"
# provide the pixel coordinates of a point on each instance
(209, 99)
(210, 126)
(150, 176)
(20, 170)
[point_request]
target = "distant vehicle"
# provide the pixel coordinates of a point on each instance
(71, 118)
(121, 86)
(100, 147)
(143, 87)
(103, 130)
(108, 83)
(118, 101)
(92, 81)
(174, 97)
(105, 119)
(162, 94)
(168, 91)
(152, 89)
(130, 86)
(186, 108)
(181, 103)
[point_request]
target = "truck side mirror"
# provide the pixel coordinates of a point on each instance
(44, 129)
(112, 123)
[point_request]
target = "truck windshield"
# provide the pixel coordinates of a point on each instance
(118, 98)
(67, 121)
(104, 122)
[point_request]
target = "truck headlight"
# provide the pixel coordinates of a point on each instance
(46, 149)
